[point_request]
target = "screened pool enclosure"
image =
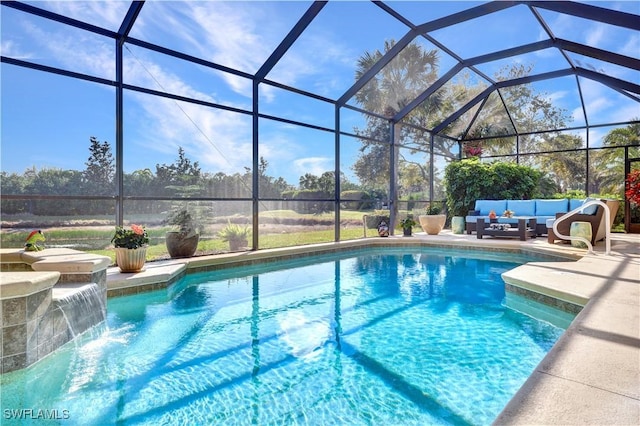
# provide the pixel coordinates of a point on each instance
(298, 119)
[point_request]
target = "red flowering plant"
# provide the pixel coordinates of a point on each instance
(133, 238)
(632, 187)
(473, 149)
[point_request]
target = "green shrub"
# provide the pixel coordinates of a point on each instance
(356, 200)
(234, 232)
(312, 206)
(469, 180)
(434, 209)
(573, 193)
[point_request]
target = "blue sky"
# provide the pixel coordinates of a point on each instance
(47, 120)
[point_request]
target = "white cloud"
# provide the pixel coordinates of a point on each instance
(246, 42)
(578, 115)
(73, 50)
(560, 25)
(106, 14)
(596, 135)
(314, 165)
(243, 45)
(604, 105)
(557, 96)
(11, 49)
(219, 140)
(594, 34)
(629, 112)
(632, 46)
(597, 105)
(298, 64)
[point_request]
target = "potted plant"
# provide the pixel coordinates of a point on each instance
(407, 225)
(237, 235)
(372, 221)
(131, 247)
(182, 241)
(432, 222)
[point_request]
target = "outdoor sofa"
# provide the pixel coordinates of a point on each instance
(545, 211)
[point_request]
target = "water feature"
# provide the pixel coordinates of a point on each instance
(417, 336)
(81, 306)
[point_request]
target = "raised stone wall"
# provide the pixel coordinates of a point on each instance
(62, 295)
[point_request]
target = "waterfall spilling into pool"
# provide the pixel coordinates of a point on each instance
(407, 336)
(80, 306)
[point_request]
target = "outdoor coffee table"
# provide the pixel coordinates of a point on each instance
(526, 229)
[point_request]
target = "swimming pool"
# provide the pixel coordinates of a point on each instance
(385, 336)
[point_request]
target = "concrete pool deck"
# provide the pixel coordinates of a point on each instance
(591, 375)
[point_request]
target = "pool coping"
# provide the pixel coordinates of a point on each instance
(590, 376)
(161, 274)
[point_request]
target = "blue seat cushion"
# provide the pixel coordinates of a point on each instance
(474, 219)
(574, 203)
(522, 207)
(543, 219)
(591, 209)
(551, 207)
(485, 206)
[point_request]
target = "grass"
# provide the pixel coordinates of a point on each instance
(93, 234)
(267, 241)
(89, 235)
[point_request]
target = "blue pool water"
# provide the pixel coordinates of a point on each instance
(382, 338)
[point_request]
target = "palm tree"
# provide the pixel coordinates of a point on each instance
(607, 175)
(405, 77)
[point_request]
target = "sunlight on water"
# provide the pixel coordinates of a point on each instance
(391, 338)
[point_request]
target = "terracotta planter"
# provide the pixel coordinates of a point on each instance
(131, 260)
(432, 224)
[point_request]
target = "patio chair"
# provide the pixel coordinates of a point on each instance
(595, 217)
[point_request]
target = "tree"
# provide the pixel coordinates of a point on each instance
(56, 182)
(181, 173)
(393, 88)
(567, 169)
(100, 169)
(13, 184)
(308, 181)
(607, 164)
(269, 187)
(408, 75)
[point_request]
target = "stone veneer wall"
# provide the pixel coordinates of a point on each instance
(27, 330)
(33, 326)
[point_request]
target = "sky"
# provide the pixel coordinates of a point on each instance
(47, 120)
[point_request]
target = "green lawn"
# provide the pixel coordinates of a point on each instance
(211, 246)
(93, 236)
